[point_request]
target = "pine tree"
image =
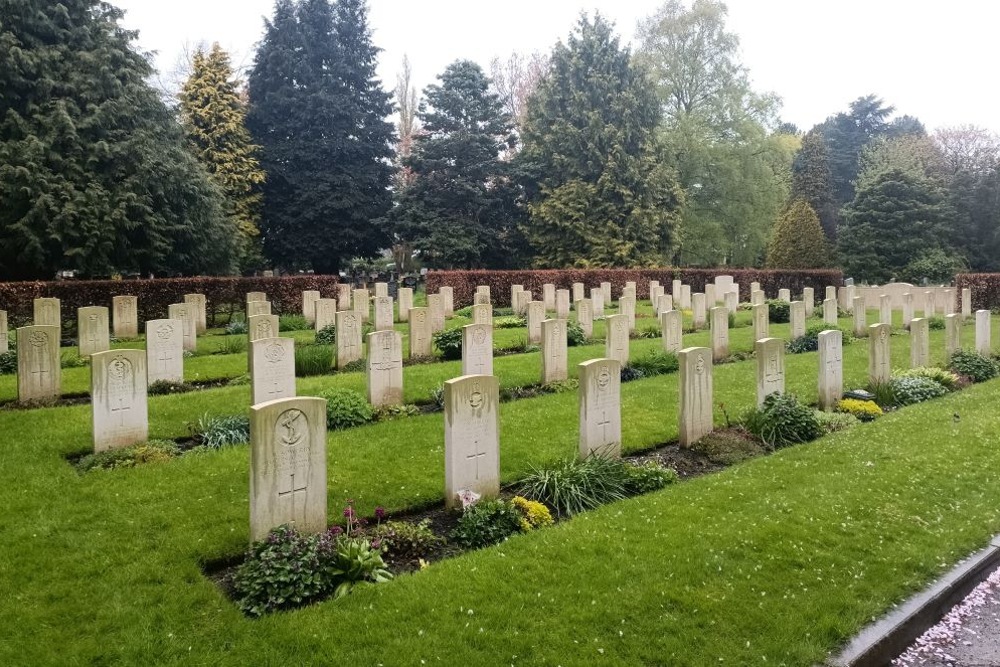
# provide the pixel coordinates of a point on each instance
(320, 115)
(214, 118)
(94, 172)
(797, 240)
(812, 182)
(457, 211)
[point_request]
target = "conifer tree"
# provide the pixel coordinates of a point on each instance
(214, 119)
(797, 240)
(812, 182)
(94, 172)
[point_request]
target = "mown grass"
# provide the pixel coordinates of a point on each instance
(775, 561)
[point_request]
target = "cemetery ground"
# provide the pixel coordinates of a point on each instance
(777, 560)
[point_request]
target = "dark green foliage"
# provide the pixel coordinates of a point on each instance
(487, 522)
(797, 240)
(630, 373)
(884, 393)
(974, 365)
(782, 421)
(509, 322)
(215, 432)
(449, 343)
(164, 387)
(231, 345)
(94, 173)
(845, 135)
(936, 322)
(356, 366)
(655, 362)
(571, 486)
(778, 312)
(909, 390)
(327, 335)
(293, 323)
(388, 412)
(154, 451)
(405, 542)
(575, 335)
(346, 408)
(319, 114)
(313, 360)
(812, 182)
(810, 341)
(648, 477)
(935, 265)
(236, 327)
(8, 362)
(729, 446)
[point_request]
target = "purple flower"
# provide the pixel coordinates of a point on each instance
(349, 512)
(379, 512)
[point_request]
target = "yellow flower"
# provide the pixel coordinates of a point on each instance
(533, 514)
(863, 410)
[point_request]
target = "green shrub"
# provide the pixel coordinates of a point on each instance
(356, 560)
(973, 365)
(239, 381)
(809, 342)
(437, 396)
(237, 327)
(946, 379)
(575, 335)
(571, 486)
(781, 421)
(8, 362)
(388, 412)
(884, 393)
(327, 335)
(509, 322)
(154, 451)
(834, 421)
(163, 387)
(647, 477)
(647, 333)
(346, 408)
(406, 542)
(487, 522)
(313, 360)
(232, 345)
(732, 320)
(215, 432)
(778, 312)
(293, 323)
(464, 312)
(449, 343)
(936, 322)
(630, 373)
(562, 386)
(729, 446)
(910, 390)
(72, 359)
(356, 366)
(655, 362)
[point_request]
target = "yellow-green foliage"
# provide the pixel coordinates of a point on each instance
(533, 514)
(863, 410)
(797, 240)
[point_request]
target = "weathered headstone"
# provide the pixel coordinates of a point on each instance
(928, 304)
(966, 303)
(92, 330)
(288, 465)
(830, 311)
(920, 344)
(698, 310)
(381, 289)
(664, 303)
(654, 294)
(616, 342)
(309, 299)
(907, 309)
(200, 311)
(326, 313)
(421, 335)
(523, 298)
(785, 295)
(477, 349)
(39, 375)
(723, 285)
(585, 316)
(949, 301)
(47, 312)
(885, 309)
(675, 290)
(628, 293)
(686, 297)
(514, 289)
(720, 333)
(555, 364)
(562, 304)
(654, 285)
(831, 293)
(481, 299)
(626, 307)
(879, 362)
(952, 334)
(471, 437)
(754, 287)
(549, 296)
(983, 344)
(448, 300)
(482, 313)
(848, 294)
(165, 350)
(485, 290)
(711, 295)
(860, 318)
(260, 327)
(182, 312)
(536, 313)
(770, 353)
(600, 408)
(405, 296)
(256, 296)
(606, 291)
(808, 298)
(272, 369)
(757, 297)
(695, 402)
(732, 301)
(4, 333)
(383, 313)
(630, 284)
(831, 369)
(343, 297)
(797, 319)
(597, 299)
(349, 346)
(385, 367)
(125, 316)
(256, 308)
(671, 326)
(761, 325)
(578, 292)
(362, 303)
(435, 308)
(118, 398)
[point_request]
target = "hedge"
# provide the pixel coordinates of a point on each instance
(985, 290)
(465, 282)
(285, 294)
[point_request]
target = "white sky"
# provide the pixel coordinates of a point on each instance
(934, 61)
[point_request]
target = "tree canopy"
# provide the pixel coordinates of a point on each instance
(797, 240)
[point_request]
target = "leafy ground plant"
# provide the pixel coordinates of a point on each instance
(346, 408)
(974, 365)
(655, 362)
(910, 390)
(154, 451)
(946, 379)
(781, 421)
(571, 486)
(327, 335)
(449, 343)
(487, 522)
(865, 411)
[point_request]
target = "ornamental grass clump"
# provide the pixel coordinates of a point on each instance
(781, 421)
(218, 431)
(571, 486)
(313, 360)
(655, 362)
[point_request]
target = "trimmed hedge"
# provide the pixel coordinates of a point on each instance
(465, 282)
(285, 294)
(985, 290)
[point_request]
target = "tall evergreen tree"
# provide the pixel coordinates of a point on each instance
(811, 181)
(94, 173)
(320, 114)
(598, 192)
(214, 118)
(797, 240)
(846, 134)
(458, 211)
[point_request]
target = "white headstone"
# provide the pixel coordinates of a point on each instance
(514, 289)
(831, 293)
(831, 369)
(695, 402)
(349, 330)
(477, 349)
(562, 304)
(383, 313)
(482, 313)
(626, 307)
(343, 297)
(731, 300)
(555, 364)
(199, 309)
(664, 303)
(421, 336)
(616, 342)
(949, 301)
(686, 297)
(907, 309)
(125, 315)
(448, 300)
(830, 311)
(549, 296)
(182, 312)
(471, 437)
(435, 308)
(521, 301)
(4, 333)
(405, 296)
(256, 296)
(952, 333)
(723, 285)
(770, 353)
(885, 309)
(578, 292)
(482, 299)
(385, 367)
(860, 317)
(309, 299)
(698, 310)
(797, 319)
(983, 344)
(597, 299)
(92, 329)
(326, 313)
(257, 308)
(809, 299)
(165, 350)
(48, 312)
(785, 295)
(272, 369)
(966, 303)
(484, 289)
(675, 290)
(585, 316)
(606, 291)
(879, 361)
(536, 313)
(381, 289)
(711, 295)
(362, 303)
(39, 374)
(118, 398)
(754, 287)
(671, 326)
(260, 327)
(720, 333)
(600, 408)
(920, 344)
(761, 325)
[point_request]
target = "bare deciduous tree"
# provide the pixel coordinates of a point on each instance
(515, 79)
(969, 148)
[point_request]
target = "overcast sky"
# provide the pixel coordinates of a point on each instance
(934, 61)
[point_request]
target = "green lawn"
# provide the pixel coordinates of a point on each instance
(775, 561)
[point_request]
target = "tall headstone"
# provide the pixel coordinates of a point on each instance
(536, 313)
(549, 297)
(165, 351)
(654, 285)
(675, 291)
(578, 292)
(562, 304)
(256, 296)
(920, 344)
(671, 326)
(949, 301)
(695, 402)
(381, 289)
(628, 293)
(686, 297)
(757, 297)
(966, 303)
(785, 295)
(349, 347)
(797, 319)
(952, 334)
(723, 285)
(435, 308)
(125, 316)
(118, 398)
(761, 325)
(732, 301)
(754, 287)
(362, 303)
(448, 300)
(928, 304)
(600, 408)
(182, 312)
(711, 295)
(879, 362)
(831, 368)
(39, 375)
(92, 330)
(47, 312)
(983, 344)
(770, 353)
(288, 465)
(343, 297)
(477, 349)
(885, 309)
(485, 291)
(385, 367)
(698, 310)
(514, 289)
(272, 369)
(830, 311)
(326, 313)
(383, 313)
(405, 296)
(471, 437)
(257, 308)
(482, 313)
(630, 284)
(907, 310)
(4, 333)
(626, 307)
(481, 299)
(616, 342)
(664, 303)
(597, 299)
(309, 299)
(720, 333)
(521, 301)
(260, 327)
(808, 298)
(831, 293)
(860, 318)
(654, 293)
(606, 291)
(846, 297)
(555, 363)
(585, 316)
(421, 335)
(199, 307)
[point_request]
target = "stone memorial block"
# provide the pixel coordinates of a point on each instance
(448, 300)
(606, 291)
(695, 402)
(830, 311)
(626, 306)
(759, 317)
(562, 304)
(711, 295)
(616, 342)
(549, 296)
(831, 293)
(435, 308)
(808, 298)
(654, 285)
(268, 273)
(272, 369)
(754, 287)
(349, 341)
(879, 362)
(720, 333)
(757, 297)
(421, 336)
(309, 299)
(200, 310)
(907, 309)
(654, 294)
(630, 284)
(597, 300)
(860, 318)
(536, 314)
(948, 296)
(256, 296)
(482, 313)
(288, 465)
(165, 350)
(383, 313)
(983, 344)
(929, 304)
(785, 295)
(671, 326)
(628, 293)
(484, 289)
(405, 296)
(966, 303)
(952, 334)
(385, 367)
(255, 308)
(477, 349)
(600, 408)
(362, 303)
(797, 319)
(664, 303)
(343, 297)
(92, 330)
(39, 374)
(326, 313)
(732, 301)
(125, 316)
(481, 299)
(723, 285)
(182, 312)
(770, 353)
(381, 289)
(578, 292)
(698, 310)
(686, 297)
(675, 290)
(260, 327)
(514, 289)
(555, 363)
(521, 305)
(831, 369)
(585, 316)
(471, 437)
(4, 333)
(118, 398)
(920, 344)
(48, 312)
(885, 309)
(849, 292)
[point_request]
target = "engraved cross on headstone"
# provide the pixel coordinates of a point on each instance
(476, 446)
(121, 410)
(165, 357)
